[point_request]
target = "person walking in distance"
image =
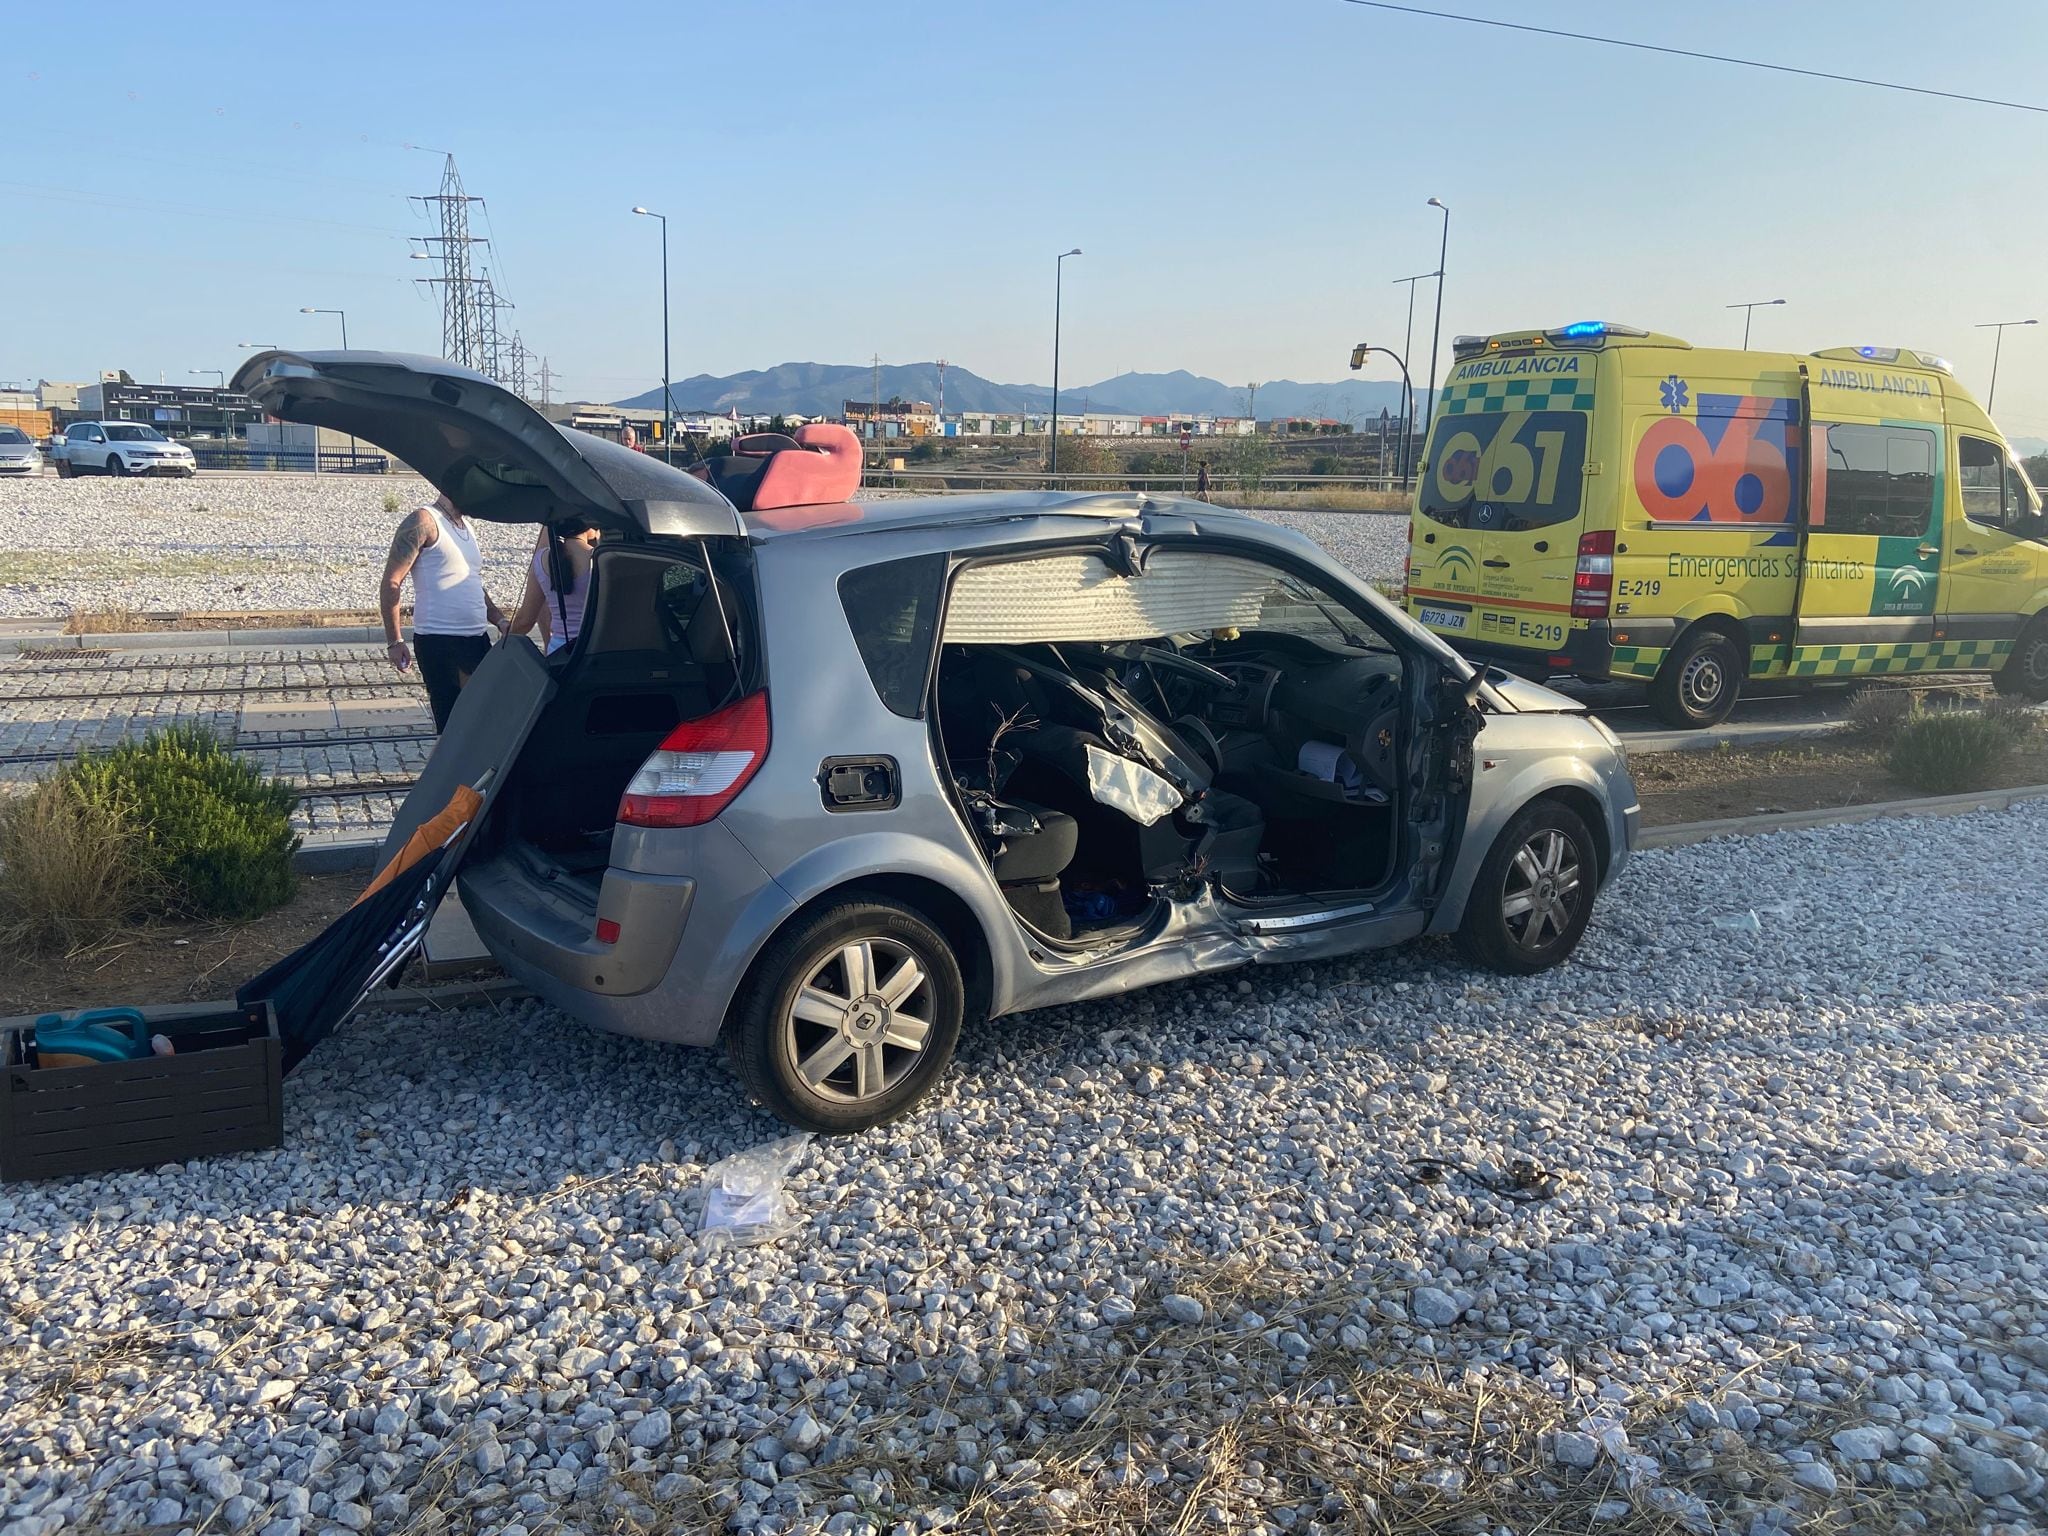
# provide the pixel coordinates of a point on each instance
(1202, 480)
(436, 547)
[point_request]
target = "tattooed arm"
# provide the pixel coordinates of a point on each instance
(414, 534)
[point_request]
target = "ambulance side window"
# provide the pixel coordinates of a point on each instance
(1878, 481)
(1983, 474)
(1995, 493)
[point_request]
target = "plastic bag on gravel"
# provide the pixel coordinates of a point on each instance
(745, 1202)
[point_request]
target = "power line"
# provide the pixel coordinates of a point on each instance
(1690, 53)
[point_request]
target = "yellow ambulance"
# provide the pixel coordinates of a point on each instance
(1598, 501)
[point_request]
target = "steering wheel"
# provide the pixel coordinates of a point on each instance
(1187, 666)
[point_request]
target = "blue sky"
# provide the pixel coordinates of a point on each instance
(1246, 181)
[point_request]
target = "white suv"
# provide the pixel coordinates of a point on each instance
(121, 448)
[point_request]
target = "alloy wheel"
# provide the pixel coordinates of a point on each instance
(861, 1020)
(1542, 890)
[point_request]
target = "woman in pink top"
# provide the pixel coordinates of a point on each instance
(557, 583)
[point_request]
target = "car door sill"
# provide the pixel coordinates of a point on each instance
(1290, 922)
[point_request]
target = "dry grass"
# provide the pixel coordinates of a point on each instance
(1326, 499)
(107, 621)
(68, 868)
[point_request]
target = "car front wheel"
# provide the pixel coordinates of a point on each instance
(848, 1017)
(116, 465)
(1534, 895)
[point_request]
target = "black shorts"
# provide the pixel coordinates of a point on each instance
(445, 664)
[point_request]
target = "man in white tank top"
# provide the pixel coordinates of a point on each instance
(436, 547)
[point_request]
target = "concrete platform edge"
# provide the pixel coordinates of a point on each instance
(1686, 833)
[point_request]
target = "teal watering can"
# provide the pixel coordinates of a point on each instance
(99, 1034)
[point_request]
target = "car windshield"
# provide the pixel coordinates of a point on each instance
(12, 435)
(132, 434)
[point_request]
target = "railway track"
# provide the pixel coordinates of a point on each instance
(223, 690)
(305, 744)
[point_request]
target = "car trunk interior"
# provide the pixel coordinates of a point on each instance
(1107, 773)
(655, 651)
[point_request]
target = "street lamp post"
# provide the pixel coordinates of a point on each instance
(353, 449)
(1407, 389)
(668, 401)
(1998, 345)
(1059, 272)
(308, 309)
(1747, 311)
(1436, 333)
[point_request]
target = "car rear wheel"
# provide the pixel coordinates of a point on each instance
(116, 465)
(2025, 673)
(1534, 895)
(848, 1017)
(1700, 680)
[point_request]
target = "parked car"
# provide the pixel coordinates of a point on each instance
(830, 783)
(18, 455)
(120, 448)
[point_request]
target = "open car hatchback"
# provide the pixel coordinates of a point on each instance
(828, 783)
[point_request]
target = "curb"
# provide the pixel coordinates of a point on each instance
(195, 639)
(335, 853)
(1686, 833)
(1710, 740)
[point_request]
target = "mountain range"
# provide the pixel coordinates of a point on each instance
(821, 389)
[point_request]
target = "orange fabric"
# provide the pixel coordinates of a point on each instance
(431, 834)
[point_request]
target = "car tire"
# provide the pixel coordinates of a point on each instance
(815, 1033)
(1534, 893)
(116, 465)
(2025, 673)
(1700, 680)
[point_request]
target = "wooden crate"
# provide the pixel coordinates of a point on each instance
(222, 1092)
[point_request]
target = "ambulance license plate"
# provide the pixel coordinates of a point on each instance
(1444, 618)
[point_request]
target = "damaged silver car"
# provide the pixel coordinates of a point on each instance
(829, 781)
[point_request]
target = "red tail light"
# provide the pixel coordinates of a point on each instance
(1593, 578)
(699, 768)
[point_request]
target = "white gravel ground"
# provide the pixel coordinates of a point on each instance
(1715, 1229)
(255, 542)
(217, 542)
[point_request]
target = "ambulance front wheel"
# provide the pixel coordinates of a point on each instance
(1700, 680)
(2025, 672)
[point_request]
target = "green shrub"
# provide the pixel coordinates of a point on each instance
(214, 836)
(1877, 713)
(69, 870)
(391, 503)
(1950, 752)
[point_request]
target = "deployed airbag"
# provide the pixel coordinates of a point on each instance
(1130, 787)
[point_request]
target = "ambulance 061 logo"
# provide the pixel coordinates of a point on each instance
(1733, 461)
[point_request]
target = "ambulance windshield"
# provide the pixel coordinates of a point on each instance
(1504, 470)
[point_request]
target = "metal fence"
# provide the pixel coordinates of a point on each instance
(938, 480)
(329, 461)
